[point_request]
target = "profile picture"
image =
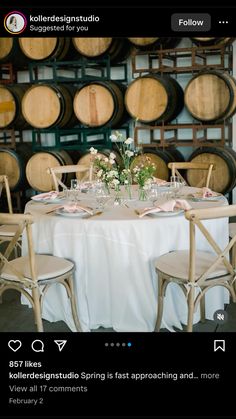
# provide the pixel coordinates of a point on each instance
(15, 22)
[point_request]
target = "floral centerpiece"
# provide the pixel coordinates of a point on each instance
(105, 170)
(143, 175)
(124, 146)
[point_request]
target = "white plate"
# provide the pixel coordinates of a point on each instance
(80, 214)
(48, 201)
(166, 213)
(209, 198)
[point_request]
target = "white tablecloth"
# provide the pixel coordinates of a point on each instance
(114, 254)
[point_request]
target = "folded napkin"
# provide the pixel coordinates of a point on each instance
(206, 193)
(77, 208)
(45, 196)
(159, 181)
(166, 207)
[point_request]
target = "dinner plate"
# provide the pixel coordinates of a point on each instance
(166, 213)
(78, 214)
(208, 198)
(56, 200)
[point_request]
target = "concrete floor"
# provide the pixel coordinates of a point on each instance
(15, 317)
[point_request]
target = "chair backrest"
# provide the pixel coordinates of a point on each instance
(77, 168)
(195, 217)
(176, 166)
(4, 183)
(24, 222)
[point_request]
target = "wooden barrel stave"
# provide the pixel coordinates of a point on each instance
(210, 96)
(45, 106)
(223, 177)
(37, 166)
(154, 99)
(10, 106)
(150, 44)
(94, 48)
(99, 104)
(13, 164)
(40, 49)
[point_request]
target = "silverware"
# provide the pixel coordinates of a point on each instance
(95, 214)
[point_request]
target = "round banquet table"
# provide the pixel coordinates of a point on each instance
(114, 255)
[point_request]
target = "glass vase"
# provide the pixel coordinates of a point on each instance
(142, 193)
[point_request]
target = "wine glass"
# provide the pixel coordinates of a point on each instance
(175, 185)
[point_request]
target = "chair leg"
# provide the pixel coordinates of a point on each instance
(190, 310)
(160, 303)
(73, 305)
(37, 309)
(203, 309)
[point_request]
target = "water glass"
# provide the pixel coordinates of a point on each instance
(101, 195)
(153, 193)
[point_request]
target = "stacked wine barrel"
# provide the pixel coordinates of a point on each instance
(152, 99)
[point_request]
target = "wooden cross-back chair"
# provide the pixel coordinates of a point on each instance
(176, 166)
(85, 171)
(197, 271)
(33, 274)
(7, 231)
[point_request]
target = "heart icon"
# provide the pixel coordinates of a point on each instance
(14, 345)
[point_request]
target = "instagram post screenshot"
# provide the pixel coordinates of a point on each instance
(117, 211)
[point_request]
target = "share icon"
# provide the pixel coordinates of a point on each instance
(60, 343)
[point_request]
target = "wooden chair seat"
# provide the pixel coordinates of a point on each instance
(46, 267)
(8, 231)
(176, 265)
(196, 271)
(33, 274)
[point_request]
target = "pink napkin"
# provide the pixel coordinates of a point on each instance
(166, 207)
(77, 208)
(159, 181)
(206, 193)
(47, 195)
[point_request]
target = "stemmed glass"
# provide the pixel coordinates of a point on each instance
(73, 192)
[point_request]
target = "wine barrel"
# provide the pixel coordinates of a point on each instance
(45, 106)
(94, 48)
(212, 41)
(10, 52)
(149, 44)
(210, 96)
(86, 160)
(154, 99)
(10, 106)
(39, 163)
(160, 158)
(100, 103)
(223, 177)
(40, 49)
(13, 164)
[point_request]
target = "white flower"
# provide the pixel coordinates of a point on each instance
(129, 153)
(112, 161)
(112, 156)
(106, 159)
(113, 137)
(129, 141)
(115, 182)
(126, 182)
(99, 173)
(136, 169)
(93, 150)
